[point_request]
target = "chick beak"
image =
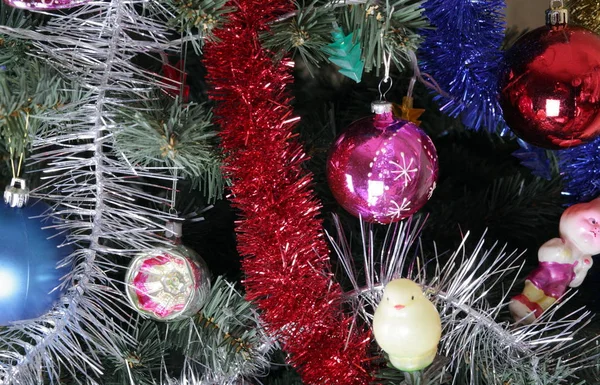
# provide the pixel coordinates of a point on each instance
(399, 307)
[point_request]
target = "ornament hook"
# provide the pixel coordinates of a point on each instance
(387, 59)
(389, 87)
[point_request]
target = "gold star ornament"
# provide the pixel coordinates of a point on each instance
(407, 112)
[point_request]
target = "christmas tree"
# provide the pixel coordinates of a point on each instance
(318, 192)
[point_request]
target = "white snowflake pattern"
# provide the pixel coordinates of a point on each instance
(404, 170)
(399, 209)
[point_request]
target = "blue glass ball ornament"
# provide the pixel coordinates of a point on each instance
(29, 256)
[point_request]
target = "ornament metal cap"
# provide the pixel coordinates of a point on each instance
(557, 16)
(17, 193)
(381, 107)
(174, 229)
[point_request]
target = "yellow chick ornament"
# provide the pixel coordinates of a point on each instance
(407, 326)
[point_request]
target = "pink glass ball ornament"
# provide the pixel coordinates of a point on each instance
(33, 5)
(381, 168)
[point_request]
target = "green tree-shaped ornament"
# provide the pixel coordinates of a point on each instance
(346, 54)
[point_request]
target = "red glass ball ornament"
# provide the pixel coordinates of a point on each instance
(381, 168)
(550, 89)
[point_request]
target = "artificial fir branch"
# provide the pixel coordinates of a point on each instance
(306, 34)
(497, 204)
(236, 343)
(63, 136)
(28, 87)
(198, 18)
(141, 358)
(225, 339)
(181, 136)
(492, 193)
(27, 91)
(386, 28)
(204, 15)
(13, 50)
(89, 186)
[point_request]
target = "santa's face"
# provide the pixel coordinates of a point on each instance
(580, 226)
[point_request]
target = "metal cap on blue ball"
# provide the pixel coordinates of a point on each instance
(29, 255)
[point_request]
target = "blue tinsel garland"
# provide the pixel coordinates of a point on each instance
(534, 158)
(580, 169)
(463, 54)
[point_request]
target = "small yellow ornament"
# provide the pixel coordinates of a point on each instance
(407, 326)
(407, 112)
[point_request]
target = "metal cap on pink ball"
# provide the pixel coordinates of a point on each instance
(381, 168)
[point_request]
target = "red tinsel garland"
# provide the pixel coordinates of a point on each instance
(286, 258)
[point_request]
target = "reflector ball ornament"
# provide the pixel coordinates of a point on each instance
(550, 88)
(382, 168)
(168, 283)
(29, 256)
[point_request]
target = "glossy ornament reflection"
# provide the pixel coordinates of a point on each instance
(34, 5)
(30, 254)
(168, 283)
(550, 87)
(382, 168)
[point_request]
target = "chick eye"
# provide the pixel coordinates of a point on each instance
(593, 221)
(413, 297)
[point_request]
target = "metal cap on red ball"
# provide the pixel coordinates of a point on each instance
(550, 88)
(381, 168)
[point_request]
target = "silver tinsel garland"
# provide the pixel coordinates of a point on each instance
(478, 340)
(94, 202)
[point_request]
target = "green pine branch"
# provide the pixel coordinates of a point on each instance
(198, 18)
(14, 50)
(225, 337)
(167, 132)
(222, 343)
(307, 34)
(141, 360)
(478, 192)
(28, 89)
(389, 27)
(386, 27)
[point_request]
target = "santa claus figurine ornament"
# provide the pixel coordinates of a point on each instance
(564, 262)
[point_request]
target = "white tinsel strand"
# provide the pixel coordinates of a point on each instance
(95, 203)
(472, 338)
